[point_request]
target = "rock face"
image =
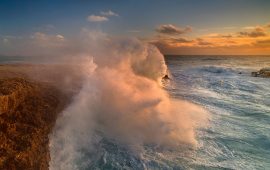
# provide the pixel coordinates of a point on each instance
(265, 72)
(166, 77)
(28, 111)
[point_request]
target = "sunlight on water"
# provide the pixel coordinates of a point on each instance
(239, 134)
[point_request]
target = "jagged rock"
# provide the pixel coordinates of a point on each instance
(28, 111)
(166, 77)
(12, 93)
(264, 72)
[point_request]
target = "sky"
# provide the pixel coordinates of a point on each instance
(181, 27)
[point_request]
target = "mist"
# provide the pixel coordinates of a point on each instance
(120, 97)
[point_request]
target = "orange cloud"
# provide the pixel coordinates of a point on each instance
(263, 43)
(202, 42)
(173, 30)
(254, 41)
(256, 32)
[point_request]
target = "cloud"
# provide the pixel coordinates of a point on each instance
(47, 27)
(181, 40)
(256, 32)
(248, 40)
(38, 43)
(5, 40)
(249, 27)
(227, 36)
(133, 31)
(172, 41)
(103, 17)
(61, 37)
(96, 18)
(42, 37)
(265, 42)
(109, 13)
(202, 42)
(170, 29)
(229, 28)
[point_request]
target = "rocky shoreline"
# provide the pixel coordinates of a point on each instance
(28, 111)
(27, 114)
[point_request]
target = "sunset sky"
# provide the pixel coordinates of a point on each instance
(206, 27)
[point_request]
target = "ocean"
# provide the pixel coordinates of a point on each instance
(238, 136)
(238, 132)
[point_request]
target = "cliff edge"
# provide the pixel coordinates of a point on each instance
(28, 111)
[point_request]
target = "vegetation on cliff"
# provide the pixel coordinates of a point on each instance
(28, 110)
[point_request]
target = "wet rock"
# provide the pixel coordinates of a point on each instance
(264, 72)
(166, 77)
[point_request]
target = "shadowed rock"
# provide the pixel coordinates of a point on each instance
(265, 73)
(166, 77)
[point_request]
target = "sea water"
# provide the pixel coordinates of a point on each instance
(238, 136)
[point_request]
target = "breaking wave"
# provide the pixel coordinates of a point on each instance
(121, 101)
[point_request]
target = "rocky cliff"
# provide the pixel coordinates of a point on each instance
(28, 110)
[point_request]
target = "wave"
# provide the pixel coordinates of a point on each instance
(121, 100)
(217, 70)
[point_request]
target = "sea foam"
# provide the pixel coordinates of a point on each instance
(121, 99)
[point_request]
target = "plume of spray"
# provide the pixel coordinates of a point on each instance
(122, 98)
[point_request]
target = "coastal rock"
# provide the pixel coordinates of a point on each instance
(166, 77)
(28, 111)
(264, 72)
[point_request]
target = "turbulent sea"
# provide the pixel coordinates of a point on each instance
(238, 134)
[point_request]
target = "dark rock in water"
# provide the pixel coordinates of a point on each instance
(240, 73)
(254, 74)
(166, 77)
(264, 72)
